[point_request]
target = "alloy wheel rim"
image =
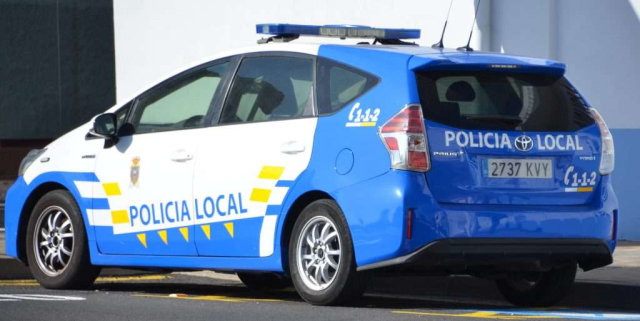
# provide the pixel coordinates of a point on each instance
(319, 251)
(53, 240)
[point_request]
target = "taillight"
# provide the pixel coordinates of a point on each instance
(607, 158)
(405, 137)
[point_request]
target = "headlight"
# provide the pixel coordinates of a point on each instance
(29, 159)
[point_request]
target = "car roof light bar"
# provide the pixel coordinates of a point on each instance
(285, 31)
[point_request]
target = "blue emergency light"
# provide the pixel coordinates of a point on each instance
(339, 31)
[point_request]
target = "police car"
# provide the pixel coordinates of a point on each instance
(320, 164)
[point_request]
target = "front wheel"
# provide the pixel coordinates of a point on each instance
(321, 256)
(542, 289)
(57, 247)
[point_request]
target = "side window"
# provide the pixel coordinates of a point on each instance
(183, 103)
(339, 85)
(270, 88)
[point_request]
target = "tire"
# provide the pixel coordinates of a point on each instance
(264, 281)
(58, 209)
(546, 289)
(343, 282)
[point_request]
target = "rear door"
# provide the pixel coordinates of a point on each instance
(499, 137)
(247, 163)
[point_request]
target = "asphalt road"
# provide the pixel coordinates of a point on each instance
(208, 296)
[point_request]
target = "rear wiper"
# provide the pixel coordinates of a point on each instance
(509, 120)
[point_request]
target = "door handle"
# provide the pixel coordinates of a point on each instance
(292, 148)
(181, 156)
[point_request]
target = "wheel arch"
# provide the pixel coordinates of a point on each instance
(27, 210)
(292, 216)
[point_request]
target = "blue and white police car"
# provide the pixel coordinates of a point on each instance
(318, 164)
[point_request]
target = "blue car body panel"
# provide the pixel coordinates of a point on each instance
(351, 164)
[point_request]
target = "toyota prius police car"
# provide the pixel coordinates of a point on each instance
(318, 164)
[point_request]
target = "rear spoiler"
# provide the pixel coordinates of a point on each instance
(485, 62)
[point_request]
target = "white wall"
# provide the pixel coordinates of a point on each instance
(156, 37)
(599, 40)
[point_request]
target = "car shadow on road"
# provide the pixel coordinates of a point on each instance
(442, 293)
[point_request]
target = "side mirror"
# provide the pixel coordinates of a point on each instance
(105, 126)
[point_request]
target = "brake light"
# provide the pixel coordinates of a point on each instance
(405, 138)
(607, 158)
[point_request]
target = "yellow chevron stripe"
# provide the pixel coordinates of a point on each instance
(119, 217)
(229, 227)
(207, 230)
(143, 239)
(111, 189)
(163, 236)
(260, 195)
(185, 233)
(271, 172)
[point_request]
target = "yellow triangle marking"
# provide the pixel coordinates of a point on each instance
(207, 230)
(143, 239)
(229, 227)
(163, 236)
(185, 233)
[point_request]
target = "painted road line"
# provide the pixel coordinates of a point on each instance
(440, 299)
(474, 315)
(40, 297)
(99, 280)
(220, 298)
(524, 314)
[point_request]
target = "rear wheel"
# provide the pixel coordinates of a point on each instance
(321, 257)
(57, 249)
(264, 281)
(543, 289)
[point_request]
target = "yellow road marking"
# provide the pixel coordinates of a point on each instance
(119, 217)
(221, 298)
(478, 315)
(260, 195)
(100, 279)
(111, 189)
(271, 172)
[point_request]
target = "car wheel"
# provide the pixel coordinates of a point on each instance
(264, 281)
(543, 289)
(57, 249)
(321, 256)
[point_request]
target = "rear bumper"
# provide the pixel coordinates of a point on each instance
(499, 254)
(377, 213)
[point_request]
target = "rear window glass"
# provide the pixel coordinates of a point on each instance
(339, 85)
(500, 101)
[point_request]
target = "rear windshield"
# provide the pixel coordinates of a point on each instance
(501, 101)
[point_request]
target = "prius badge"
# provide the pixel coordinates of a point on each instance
(523, 143)
(134, 175)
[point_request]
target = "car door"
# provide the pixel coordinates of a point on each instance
(147, 176)
(247, 163)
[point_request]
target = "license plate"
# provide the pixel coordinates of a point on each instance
(517, 168)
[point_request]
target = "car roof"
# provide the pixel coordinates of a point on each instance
(417, 55)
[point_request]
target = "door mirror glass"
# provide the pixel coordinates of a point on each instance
(105, 126)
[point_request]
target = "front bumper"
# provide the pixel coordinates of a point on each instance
(501, 254)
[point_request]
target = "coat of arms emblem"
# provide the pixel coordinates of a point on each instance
(135, 171)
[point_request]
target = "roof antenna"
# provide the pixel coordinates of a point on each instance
(467, 48)
(441, 44)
